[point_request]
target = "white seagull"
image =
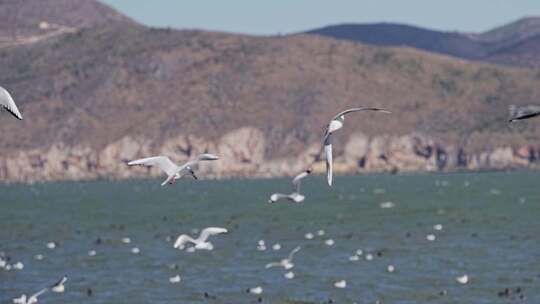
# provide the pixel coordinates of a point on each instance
(295, 197)
(30, 300)
(524, 116)
(172, 170)
(285, 263)
(59, 286)
(6, 101)
(200, 242)
(335, 124)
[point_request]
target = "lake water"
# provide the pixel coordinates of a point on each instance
(491, 232)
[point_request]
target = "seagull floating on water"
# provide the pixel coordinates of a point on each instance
(340, 284)
(255, 290)
(289, 275)
(175, 279)
(51, 245)
(276, 246)
(295, 197)
(200, 242)
(6, 101)
(464, 279)
(285, 263)
(335, 124)
(172, 170)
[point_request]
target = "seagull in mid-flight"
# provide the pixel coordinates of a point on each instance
(172, 170)
(200, 242)
(6, 101)
(524, 116)
(295, 196)
(59, 286)
(285, 263)
(335, 124)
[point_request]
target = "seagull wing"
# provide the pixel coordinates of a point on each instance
(297, 180)
(201, 157)
(293, 252)
(360, 109)
(7, 102)
(329, 162)
(163, 162)
(60, 282)
(274, 264)
(37, 294)
(182, 239)
(278, 196)
(525, 116)
(210, 231)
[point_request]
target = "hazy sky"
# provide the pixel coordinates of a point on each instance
(286, 16)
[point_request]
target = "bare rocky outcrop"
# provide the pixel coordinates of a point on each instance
(242, 154)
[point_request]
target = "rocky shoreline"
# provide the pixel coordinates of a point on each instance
(242, 154)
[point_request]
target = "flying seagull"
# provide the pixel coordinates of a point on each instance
(295, 196)
(335, 124)
(172, 170)
(525, 116)
(59, 286)
(285, 263)
(30, 300)
(200, 242)
(6, 101)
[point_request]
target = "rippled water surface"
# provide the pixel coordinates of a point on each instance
(491, 231)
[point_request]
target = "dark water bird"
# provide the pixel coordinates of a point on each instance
(335, 124)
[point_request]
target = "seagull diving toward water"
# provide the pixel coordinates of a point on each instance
(200, 242)
(524, 116)
(285, 263)
(6, 101)
(173, 171)
(295, 196)
(30, 300)
(335, 124)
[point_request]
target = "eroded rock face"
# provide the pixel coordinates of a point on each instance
(242, 154)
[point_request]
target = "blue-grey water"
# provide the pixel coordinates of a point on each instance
(491, 231)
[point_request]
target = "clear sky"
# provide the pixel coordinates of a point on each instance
(287, 16)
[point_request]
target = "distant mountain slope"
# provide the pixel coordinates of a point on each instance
(21, 19)
(496, 46)
(389, 34)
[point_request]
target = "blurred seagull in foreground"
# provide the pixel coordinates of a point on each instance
(172, 170)
(295, 197)
(6, 101)
(285, 263)
(200, 242)
(30, 300)
(524, 116)
(335, 124)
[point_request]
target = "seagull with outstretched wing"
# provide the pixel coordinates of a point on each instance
(295, 197)
(524, 116)
(200, 242)
(6, 101)
(335, 124)
(172, 170)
